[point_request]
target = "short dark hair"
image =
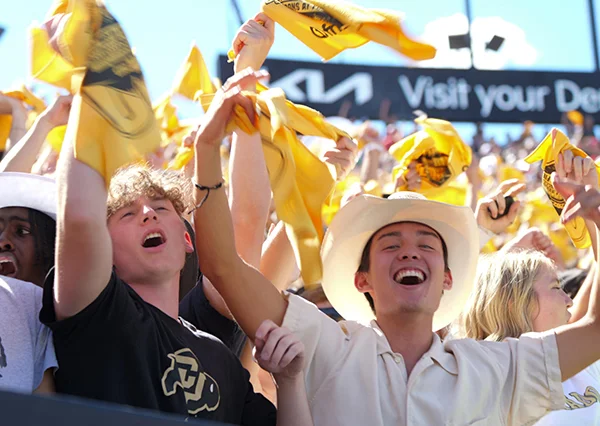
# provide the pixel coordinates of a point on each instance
(365, 261)
(43, 228)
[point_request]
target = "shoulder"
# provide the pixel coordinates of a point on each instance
(21, 290)
(22, 295)
(202, 335)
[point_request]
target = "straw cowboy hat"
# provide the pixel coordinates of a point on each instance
(28, 190)
(362, 217)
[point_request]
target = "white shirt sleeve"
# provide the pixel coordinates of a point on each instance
(324, 340)
(525, 373)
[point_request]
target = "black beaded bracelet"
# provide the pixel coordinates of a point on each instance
(207, 189)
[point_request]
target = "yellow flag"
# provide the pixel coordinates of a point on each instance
(182, 158)
(23, 94)
(193, 76)
(440, 153)
(506, 172)
(553, 144)
(112, 123)
(63, 62)
(300, 181)
(454, 193)
(166, 116)
(575, 117)
(56, 137)
(329, 26)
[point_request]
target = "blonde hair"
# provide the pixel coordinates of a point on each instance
(504, 301)
(131, 182)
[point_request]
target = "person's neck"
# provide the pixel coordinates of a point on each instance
(409, 335)
(161, 294)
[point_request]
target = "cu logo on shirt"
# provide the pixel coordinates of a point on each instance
(201, 390)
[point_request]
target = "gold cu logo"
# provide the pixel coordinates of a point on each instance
(201, 390)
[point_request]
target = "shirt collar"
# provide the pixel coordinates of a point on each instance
(436, 352)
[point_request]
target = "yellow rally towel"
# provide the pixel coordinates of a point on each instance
(440, 153)
(56, 137)
(193, 76)
(328, 27)
(23, 94)
(111, 115)
(300, 181)
(192, 81)
(166, 116)
(553, 144)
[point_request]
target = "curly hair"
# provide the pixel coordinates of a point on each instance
(131, 182)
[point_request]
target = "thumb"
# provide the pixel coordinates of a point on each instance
(563, 186)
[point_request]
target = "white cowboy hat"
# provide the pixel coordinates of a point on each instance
(362, 217)
(28, 190)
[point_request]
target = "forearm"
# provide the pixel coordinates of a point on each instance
(472, 195)
(17, 129)
(23, 155)
(249, 195)
(594, 306)
(277, 262)
(582, 300)
(370, 165)
(250, 297)
(292, 403)
(84, 249)
(82, 191)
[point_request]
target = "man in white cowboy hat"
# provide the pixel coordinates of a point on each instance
(416, 259)
(27, 229)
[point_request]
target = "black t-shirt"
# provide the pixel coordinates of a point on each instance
(197, 310)
(124, 350)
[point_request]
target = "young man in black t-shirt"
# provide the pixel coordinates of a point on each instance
(112, 304)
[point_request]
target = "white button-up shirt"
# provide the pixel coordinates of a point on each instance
(354, 378)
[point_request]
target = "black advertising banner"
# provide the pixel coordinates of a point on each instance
(454, 95)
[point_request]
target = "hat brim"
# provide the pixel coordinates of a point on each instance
(29, 191)
(361, 218)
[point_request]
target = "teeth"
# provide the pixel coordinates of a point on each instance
(6, 261)
(153, 235)
(400, 275)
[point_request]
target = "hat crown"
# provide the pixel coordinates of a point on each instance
(406, 195)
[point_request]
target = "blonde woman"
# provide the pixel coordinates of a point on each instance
(518, 292)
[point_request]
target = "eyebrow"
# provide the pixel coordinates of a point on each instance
(420, 233)
(15, 218)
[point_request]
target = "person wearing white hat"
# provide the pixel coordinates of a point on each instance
(27, 226)
(27, 229)
(416, 259)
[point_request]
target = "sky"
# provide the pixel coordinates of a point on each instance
(540, 35)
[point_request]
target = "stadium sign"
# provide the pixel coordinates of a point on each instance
(452, 94)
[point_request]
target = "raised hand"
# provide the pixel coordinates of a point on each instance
(581, 200)
(212, 129)
(411, 180)
(576, 169)
(10, 105)
(535, 239)
(343, 157)
(253, 42)
(278, 351)
(492, 206)
(57, 114)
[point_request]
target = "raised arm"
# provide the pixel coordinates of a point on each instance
(579, 343)
(583, 172)
(16, 109)
(250, 189)
(83, 248)
(23, 155)
(250, 297)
